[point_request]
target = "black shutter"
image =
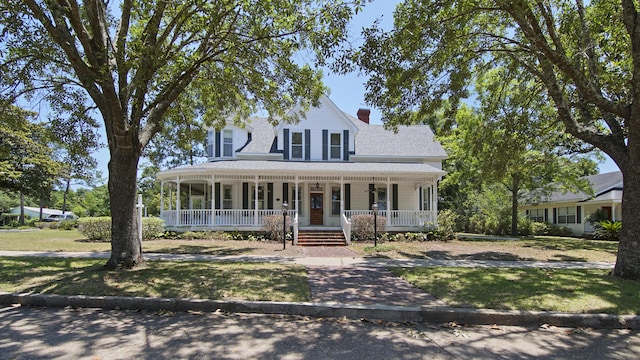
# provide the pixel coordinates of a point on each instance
(394, 189)
(555, 215)
(216, 187)
(347, 196)
(245, 195)
(420, 198)
(325, 144)
(579, 214)
(285, 144)
(372, 194)
(345, 142)
(307, 144)
(285, 192)
(216, 144)
(546, 215)
(269, 196)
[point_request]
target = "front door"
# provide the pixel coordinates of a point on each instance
(316, 209)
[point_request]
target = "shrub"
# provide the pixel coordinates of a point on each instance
(608, 230)
(539, 228)
(68, 224)
(152, 228)
(272, 224)
(555, 230)
(448, 222)
(99, 228)
(95, 228)
(362, 226)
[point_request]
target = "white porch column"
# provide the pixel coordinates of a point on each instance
(297, 198)
(178, 208)
(388, 202)
(613, 212)
(255, 200)
(434, 200)
(213, 199)
(161, 196)
(341, 195)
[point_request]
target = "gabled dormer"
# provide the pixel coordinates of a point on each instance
(224, 144)
(326, 134)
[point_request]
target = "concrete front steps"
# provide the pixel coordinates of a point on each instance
(321, 238)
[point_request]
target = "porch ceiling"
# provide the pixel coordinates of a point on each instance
(303, 168)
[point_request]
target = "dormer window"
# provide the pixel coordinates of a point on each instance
(227, 150)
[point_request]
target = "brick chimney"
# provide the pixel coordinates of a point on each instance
(363, 115)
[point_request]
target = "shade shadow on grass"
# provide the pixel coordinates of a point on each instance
(204, 250)
(201, 280)
(581, 290)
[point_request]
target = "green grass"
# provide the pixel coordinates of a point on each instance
(576, 291)
(49, 240)
(199, 280)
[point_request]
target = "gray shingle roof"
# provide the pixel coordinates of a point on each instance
(261, 138)
(601, 183)
(305, 167)
(409, 141)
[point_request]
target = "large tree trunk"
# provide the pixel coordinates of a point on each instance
(628, 260)
(126, 249)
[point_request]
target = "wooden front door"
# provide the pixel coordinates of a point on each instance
(316, 213)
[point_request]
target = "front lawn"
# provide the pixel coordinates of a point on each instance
(535, 249)
(189, 279)
(576, 291)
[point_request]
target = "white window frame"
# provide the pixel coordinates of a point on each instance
(227, 202)
(536, 215)
(426, 198)
(564, 215)
(335, 201)
(337, 147)
(211, 134)
(227, 143)
(381, 198)
(296, 145)
(261, 197)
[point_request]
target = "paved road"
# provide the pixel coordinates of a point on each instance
(48, 333)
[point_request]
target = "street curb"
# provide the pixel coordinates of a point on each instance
(372, 312)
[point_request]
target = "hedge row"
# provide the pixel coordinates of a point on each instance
(99, 228)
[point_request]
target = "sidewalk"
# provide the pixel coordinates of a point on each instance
(348, 287)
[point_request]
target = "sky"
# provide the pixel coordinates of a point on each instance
(347, 91)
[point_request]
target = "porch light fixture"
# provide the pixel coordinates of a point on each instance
(285, 209)
(317, 186)
(374, 208)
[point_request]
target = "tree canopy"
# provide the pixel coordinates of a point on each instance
(584, 55)
(130, 61)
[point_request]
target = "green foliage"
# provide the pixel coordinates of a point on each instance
(362, 226)
(596, 217)
(447, 224)
(99, 228)
(608, 230)
(95, 228)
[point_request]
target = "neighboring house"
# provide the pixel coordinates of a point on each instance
(327, 168)
(572, 209)
(34, 212)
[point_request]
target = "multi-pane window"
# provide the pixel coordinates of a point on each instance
(536, 215)
(426, 198)
(566, 215)
(336, 146)
(293, 204)
(210, 143)
(296, 145)
(381, 198)
(260, 196)
(335, 201)
(227, 197)
(227, 150)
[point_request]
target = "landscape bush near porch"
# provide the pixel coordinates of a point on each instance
(362, 226)
(272, 224)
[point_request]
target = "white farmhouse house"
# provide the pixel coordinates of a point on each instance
(327, 168)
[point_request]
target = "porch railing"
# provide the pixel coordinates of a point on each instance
(253, 218)
(398, 217)
(221, 218)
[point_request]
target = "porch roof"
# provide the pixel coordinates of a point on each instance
(264, 167)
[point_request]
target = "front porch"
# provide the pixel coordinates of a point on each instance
(236, 202)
